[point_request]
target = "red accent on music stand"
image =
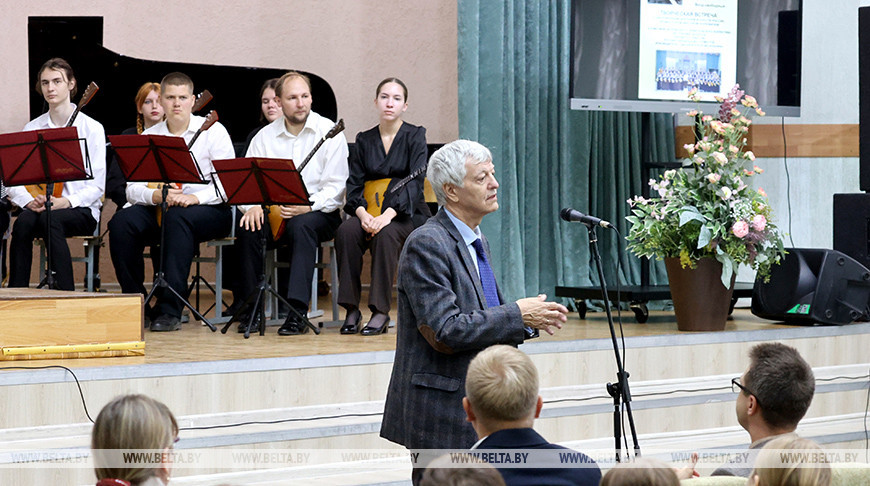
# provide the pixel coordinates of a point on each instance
(43, 157)
(263, 181)
(156, 158)
(159, 158)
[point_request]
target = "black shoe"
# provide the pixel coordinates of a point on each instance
(378, 324)
(165, 323)
(292, 326)
(243, 323)
(351, 322)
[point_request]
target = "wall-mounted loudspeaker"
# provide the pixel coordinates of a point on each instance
(814, 286)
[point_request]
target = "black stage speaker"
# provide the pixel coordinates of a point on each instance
(814, 286)
(852, 226)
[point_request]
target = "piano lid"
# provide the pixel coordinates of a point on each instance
(79, 40)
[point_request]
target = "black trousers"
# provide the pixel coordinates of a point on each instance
(30, 225)
(135, 227)
(351, 242)
(302, 235)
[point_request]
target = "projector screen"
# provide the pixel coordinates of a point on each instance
(645, 55)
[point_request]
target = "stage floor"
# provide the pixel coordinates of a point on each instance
(196, 343)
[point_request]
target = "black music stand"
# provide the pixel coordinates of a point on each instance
(44, 157)
(265, 182)
(164, 159)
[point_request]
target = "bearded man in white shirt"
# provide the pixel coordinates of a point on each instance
(293, 136)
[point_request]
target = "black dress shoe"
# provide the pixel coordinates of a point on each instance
(292, 326)
(243, 323)
(378, 324)
(351, 322)
(165, 323)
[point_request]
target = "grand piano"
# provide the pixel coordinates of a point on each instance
(79, 40)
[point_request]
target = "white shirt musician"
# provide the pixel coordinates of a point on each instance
(195, 213)
(75, 205)
(293, 136)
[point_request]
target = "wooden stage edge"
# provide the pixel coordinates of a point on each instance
(195, 350)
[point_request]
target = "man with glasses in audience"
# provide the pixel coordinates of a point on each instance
(773, 395)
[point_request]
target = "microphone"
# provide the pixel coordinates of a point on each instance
(574, 216)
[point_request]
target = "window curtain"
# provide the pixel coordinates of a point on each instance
(514, 59)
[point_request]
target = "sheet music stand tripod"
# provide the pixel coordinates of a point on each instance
(44, 157)
(266, 182)
(164, 159)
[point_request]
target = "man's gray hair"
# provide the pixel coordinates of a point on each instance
(447, 165)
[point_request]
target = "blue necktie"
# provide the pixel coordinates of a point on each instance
(487, 279)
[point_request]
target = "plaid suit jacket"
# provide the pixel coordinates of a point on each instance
(443, 322)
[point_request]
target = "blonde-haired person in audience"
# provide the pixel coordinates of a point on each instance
(441, 472)
(502, 401)
(772, 470)
(644, 471)
(133, 422)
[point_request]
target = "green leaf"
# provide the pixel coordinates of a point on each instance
(727, 268)
(690, 213)
(705, 237)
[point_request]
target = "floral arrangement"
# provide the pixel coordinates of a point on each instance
(706, 209)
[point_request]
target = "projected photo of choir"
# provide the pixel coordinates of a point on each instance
(681, 71)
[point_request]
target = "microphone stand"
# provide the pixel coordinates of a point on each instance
(619, 390)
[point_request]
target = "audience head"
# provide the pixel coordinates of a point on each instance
(772, 470)
(132, 422)
(391, 99)
(294, 95)
(149, 111)
(270, 109)
(501, 388)
(777, 388)
(176, 96)
(441, 472)
(58, 74)
(447, 166)
(644, 471)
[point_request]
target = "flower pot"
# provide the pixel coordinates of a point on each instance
(701, 302)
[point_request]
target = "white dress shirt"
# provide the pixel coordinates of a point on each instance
(212, 144)
(469, 236)
(80, 194)
(325, 176)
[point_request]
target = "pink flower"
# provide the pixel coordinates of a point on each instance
(720, 157)
(749, 101)
(713, 178)
(740, 229)
(759, 222)
(750, 155)
(761, 191)
(692, 113)
(757, 169)
(706, 118)
(690, 147)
